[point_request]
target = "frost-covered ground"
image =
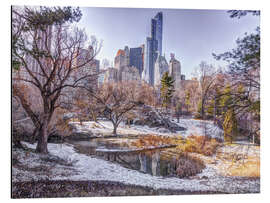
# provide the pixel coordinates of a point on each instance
(106, 128)
(89, 168)
(195, 127)
(199, 127)
(83, 167)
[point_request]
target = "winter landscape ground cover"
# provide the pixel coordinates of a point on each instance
(65, 163)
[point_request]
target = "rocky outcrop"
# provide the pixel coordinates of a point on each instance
(146, 115)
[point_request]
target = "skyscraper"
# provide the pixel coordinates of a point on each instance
(153, 47)
(157, 24)
(175, 71)
(136, 58)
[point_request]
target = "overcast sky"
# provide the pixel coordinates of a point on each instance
(193, 35)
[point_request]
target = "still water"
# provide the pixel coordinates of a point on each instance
(118, 150)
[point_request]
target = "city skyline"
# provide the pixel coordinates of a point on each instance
(192, 35)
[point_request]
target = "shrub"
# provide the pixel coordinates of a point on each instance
(151, 140)
(188, 166)
(200, 144)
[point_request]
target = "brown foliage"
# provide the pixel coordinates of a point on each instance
(188, 166)
(151, 140)
(201, 145)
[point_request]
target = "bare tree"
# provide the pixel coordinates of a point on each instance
(206, 74)
(49, 52)
(116, 100)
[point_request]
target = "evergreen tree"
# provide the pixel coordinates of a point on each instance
(167, 89)
(230, 126)
(226, 99)
(187, 100)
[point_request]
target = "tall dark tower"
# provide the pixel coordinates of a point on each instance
(158, 31)
(153, 48)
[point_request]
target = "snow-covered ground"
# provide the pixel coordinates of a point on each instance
(194, 127)
(199, 127)
(89, 168)
(106, 128)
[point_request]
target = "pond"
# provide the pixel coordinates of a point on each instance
(118, 150)
(155, 161)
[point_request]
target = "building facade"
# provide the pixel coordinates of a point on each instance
(161, 66)
(175, 71)
(111, 75)
(90, 69)
(130, 73)
(121, 59)
(136, 58)
(157, 27)
(153, 48)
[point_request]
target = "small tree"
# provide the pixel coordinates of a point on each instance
(116, 100)
(167, 89)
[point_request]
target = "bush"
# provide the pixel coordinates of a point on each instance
(188, 166)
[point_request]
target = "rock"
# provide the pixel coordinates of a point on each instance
(163, 130)
(23, 129)
(204, 177)
(146, 115)
(68, 116)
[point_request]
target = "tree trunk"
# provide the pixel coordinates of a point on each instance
(17, 144)
(43, 139)
(114, 128)
(202, 110)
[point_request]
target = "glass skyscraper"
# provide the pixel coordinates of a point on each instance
(153, 48)
(156, 31)
(135, 58)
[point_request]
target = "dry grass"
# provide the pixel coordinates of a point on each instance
(194, 144)
(151, 140)
(250, 169)
(237, 163)
(200, 145)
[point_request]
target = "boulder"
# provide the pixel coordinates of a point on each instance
(146, 115)
(23, 130)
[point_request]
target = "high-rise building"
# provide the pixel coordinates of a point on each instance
(111, 75)
(175, 71)
(43, 42)
(136, 58)
(126, 60)
(153, 48)
(129, 73)
(161, 66)
(90, 69)
(156, 30)
(121, 59)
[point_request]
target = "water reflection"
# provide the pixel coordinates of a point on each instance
(117, 150)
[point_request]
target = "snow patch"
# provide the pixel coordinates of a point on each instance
(90, 168)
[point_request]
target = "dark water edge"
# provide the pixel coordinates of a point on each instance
(67, 188)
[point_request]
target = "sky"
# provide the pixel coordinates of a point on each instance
(192, 35)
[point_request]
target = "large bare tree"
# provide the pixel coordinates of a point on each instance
(49, 55)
